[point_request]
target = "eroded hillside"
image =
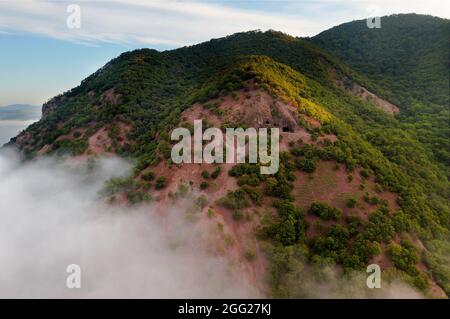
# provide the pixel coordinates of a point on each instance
(354, 186)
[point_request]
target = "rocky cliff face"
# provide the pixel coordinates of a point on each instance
(361, 92)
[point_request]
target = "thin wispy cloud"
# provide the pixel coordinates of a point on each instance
(165, 23)
(177, 23)
(51, 216)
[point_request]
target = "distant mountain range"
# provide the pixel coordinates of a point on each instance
(20, 112)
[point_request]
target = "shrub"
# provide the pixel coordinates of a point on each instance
(286, 231)
(136, 197)
(117, 184)
(146, 185)
(182, 190)
(204, 185)
(353, 223)
(421, 282)
(245, 168)
(216, 172)
(201, 201)
(148, 176)
(401, 222)
(333, 245)
(365, 249)
(374, 200)
(351, 203)
(364, 173)
(404, 257)
(324, 211)
(254, 194)
(113, 132)
(160, 182)
(306, 164)
(205, 174)
(379, 227)
(279, 187)
(252, 180)
(296, 151)
(234, 200)
(210, 213)
(291, 226)
(73, 147)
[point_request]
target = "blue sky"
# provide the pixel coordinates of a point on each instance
(35, 68)
(41, 57)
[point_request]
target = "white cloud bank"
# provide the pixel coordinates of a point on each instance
(50, 218)
(177, 23)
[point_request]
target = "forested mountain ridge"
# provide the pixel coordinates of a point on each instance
(407, 54)
(407, 62)
(396, 190)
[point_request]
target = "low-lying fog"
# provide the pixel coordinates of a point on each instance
(50, 217)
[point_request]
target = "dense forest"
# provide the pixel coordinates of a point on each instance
(405, 62)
